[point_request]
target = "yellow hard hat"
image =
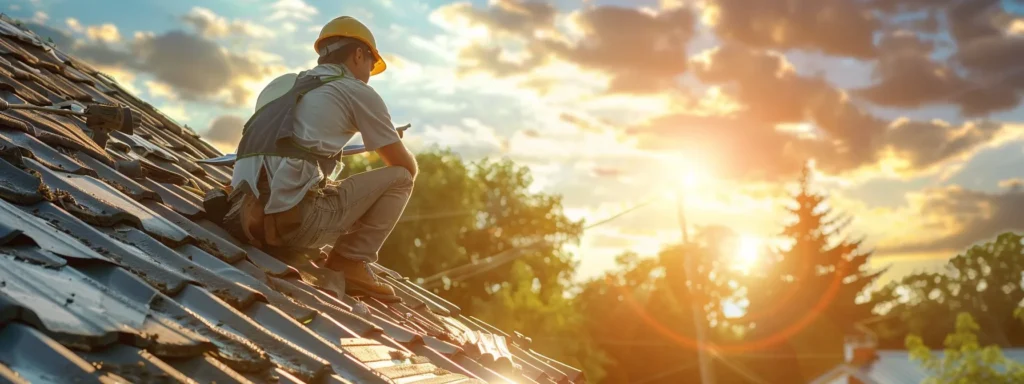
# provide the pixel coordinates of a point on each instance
(347, 26)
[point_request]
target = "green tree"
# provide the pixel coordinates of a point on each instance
(964, 359)
(463, 212)
(983, 281)
(804, 298)
(640, 313)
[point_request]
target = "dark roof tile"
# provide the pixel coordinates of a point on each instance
(45, 236)
(144, 147)
(329, 329)
(399, 333)
(238, 353)
(42, 153)
(8, 121)
(25, 93)
(437, 304)
(237, 295)
(228, 272)
(13, 50)
(180, 200)
(219, 173)
(30, 252)
(79, 312)
(98, 203)
(206, 369)
(64, 131)
(64, 85)
(91, 242)
(133, 364)
(265, 262)
(154, 171)
(35, 358)
(19, 186)
(276, 321)
(118, 180)
(206, 240)
(285, 354)
(276, 375)
(73, 74)
(573, 374)
(326, 304)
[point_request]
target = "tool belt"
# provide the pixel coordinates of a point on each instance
(245, 220)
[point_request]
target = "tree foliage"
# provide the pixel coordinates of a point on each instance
(964, 359)
(984, 282)
(803, 299)
(462, 212)
(641, 313)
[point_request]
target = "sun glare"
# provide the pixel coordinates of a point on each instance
(692, 175)
(748, 252)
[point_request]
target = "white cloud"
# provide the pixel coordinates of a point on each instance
(74, 25)
(40, 17)
(292, 9)
(212, 25)
(106, 33)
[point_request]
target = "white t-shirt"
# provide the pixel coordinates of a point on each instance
(326, 119)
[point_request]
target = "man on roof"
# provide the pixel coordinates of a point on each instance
(284, 195)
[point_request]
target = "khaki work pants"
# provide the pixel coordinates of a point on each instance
(357, 214)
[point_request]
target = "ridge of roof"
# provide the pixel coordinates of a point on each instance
(109, 271)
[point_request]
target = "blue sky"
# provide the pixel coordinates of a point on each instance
(598, 161)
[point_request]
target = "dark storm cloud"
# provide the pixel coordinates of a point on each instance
(196, 68)
(512, 16)
(642, 52)
(225, 129)
(982, 76)
(837, 27)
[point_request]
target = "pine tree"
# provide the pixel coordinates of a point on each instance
(804, 301)
(828, 268)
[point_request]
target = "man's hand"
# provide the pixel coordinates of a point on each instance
(401, 130)
(396, 154)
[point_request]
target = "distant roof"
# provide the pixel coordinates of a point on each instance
(110, 270)
(893, 367)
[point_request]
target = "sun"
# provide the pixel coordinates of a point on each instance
(692, 175)
(748, 253)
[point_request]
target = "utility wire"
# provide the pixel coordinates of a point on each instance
(473, 269)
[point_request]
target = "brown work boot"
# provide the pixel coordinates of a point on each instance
(360, 281)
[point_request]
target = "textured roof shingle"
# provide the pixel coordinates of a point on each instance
(110, 271)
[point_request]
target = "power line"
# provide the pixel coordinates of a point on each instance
(473, 269)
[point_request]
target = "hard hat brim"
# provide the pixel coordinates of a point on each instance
(379, 66)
